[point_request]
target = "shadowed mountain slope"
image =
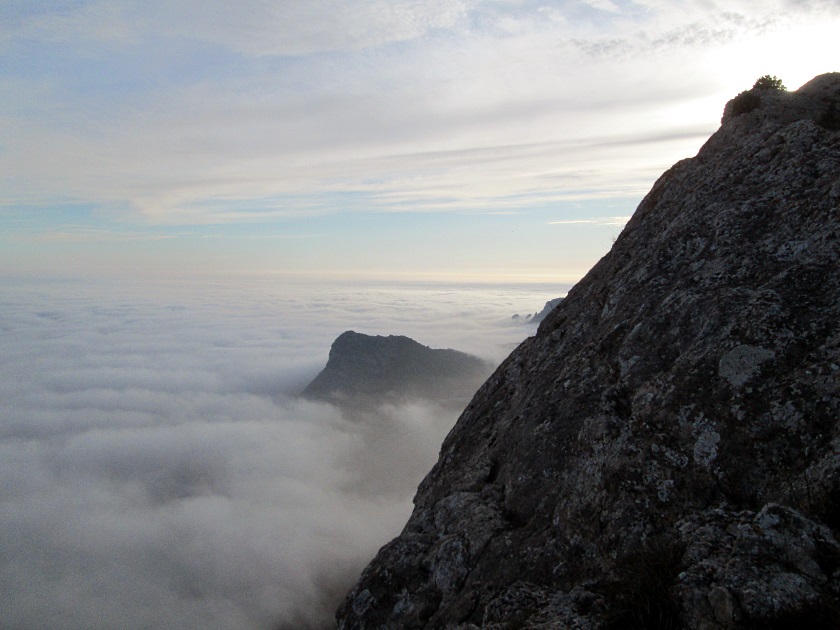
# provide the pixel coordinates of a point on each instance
(665, 452)
(376, 368)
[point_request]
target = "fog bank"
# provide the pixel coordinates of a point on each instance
(158, 471)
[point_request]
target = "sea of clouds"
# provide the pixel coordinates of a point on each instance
(158, 471)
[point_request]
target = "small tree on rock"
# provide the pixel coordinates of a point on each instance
(769, 83)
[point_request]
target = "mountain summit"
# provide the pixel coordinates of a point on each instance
(372, 368)
(665, 452)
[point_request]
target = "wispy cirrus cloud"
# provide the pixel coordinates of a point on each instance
(191, 114)
(297, 98)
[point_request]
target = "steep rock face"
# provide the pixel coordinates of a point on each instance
(365, 367)
(665, 452)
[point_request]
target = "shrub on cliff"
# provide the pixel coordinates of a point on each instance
(750, 100)
(769, 83)
(744, 103)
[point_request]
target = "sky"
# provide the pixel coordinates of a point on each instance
(157, 469)
(486, 140)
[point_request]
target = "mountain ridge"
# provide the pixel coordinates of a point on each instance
(536, 318)
(372, 368)
(665, 451)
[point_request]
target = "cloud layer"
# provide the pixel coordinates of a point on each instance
(157, 471)
(419, 138)
(193, 113)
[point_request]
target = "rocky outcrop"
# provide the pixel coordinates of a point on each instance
(549, 306)
(536, 318)
(665, 451)
(371, 369)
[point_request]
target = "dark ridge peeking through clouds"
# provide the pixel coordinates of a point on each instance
(157, 469)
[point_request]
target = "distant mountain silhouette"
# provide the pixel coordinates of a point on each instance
(365, 368)
(536, 318)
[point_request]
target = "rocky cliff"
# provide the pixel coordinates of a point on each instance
(367, 368)
(665, 451)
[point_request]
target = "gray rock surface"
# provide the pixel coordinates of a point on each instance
(371, 369)
(665, 451)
